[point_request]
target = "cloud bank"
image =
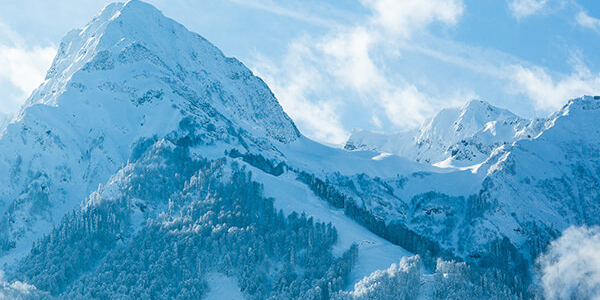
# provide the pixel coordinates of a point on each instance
(570, 269)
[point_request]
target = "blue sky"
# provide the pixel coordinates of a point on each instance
(335, 65)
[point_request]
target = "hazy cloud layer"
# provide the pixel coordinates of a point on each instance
(351, 74)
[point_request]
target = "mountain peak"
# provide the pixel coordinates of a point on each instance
(474, 104)
(586, 102)
(576, 109)
(483, 112)
(133, 49)
(457, 123)
(477, 107)
(118, 26)
(576, 116)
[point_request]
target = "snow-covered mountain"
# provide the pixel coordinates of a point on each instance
(148, 165)
(505, 211)
(130, 74)
(552, 180)
(130, 92)
(457, 137)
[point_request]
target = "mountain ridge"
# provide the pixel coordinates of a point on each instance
(459, 137)
(144, 166)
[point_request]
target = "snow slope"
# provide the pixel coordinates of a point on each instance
(4, 120)
(551, 181)
(520, 197)
(375, 253)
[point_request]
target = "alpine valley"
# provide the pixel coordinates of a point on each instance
(148, 165)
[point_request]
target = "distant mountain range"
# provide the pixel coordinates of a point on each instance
(455, 137)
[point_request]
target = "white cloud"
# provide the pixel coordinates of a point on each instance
(586, 21)
(406, 106)
(549, 93)
(23, 67)
(407, 16)
(570, 269)
(347, 56)
(296, 12)
(295, 81)
(321, 78)
(525, 8)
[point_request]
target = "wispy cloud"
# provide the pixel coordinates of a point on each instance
(586, 21)
(570, 269)
(405, 17)
(294, 11)
(342, 70)
(296, 90)
(551, 92)
(478, 60)
(351, 73)
(23, 66)
(525, 8)
(547, 90)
